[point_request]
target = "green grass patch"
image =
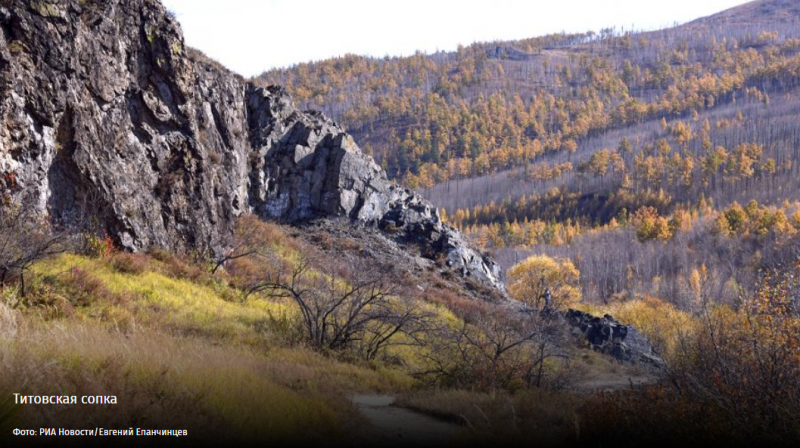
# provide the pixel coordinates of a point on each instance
(156, 299)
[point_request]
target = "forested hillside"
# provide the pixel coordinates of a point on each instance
(656, 172)
(493, 106)
(235, 269)
(643, 157)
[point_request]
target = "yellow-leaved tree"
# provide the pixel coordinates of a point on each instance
(529, 280)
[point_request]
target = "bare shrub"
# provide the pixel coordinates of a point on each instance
(341, 307)
(337, 313)
(499, 349)
(159, 254)
(86, 288)
(128, 263)
(253, 236)
(458, 304)
(745, 362)
(25, 238)
(733, 379)
(176, 267)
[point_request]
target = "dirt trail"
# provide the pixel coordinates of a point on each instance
(392, 425)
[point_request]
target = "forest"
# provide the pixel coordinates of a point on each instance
(567, 143)
(649, 177)
(493, 106)
(654, 175)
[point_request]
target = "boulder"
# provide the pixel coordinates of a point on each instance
(606, 335)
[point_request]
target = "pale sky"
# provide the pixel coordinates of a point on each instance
(251, 36)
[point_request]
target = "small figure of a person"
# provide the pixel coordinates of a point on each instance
(548, 300)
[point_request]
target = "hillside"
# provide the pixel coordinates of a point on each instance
(184, 252)
(154, 145)
(756, 13)
(494, 106)
(137, 264)
(538, 142)
(653, 169)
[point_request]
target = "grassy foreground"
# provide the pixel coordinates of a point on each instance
(178, 348)
(183, 348)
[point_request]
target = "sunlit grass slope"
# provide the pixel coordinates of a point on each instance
(175, 345)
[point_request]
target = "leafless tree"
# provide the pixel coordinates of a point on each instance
(341, 308)
(498, 349)
(403, 323)
(25, 238)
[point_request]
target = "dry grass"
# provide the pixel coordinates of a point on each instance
(160, 382)
(306, 371)
(535, 418)
(155, 299)
(8, 322)
(177, 352)
(181, 348)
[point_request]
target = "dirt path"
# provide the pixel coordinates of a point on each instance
(392, 425)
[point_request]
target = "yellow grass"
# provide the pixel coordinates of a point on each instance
(174, 351)
(191, 308)
(160, 382)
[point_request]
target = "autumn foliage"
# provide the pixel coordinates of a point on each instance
(529, 280)
(734, 375)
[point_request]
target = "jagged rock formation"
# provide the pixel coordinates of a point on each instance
(101, 102)
(607, 335)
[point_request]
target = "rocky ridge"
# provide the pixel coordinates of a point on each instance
(102, 103)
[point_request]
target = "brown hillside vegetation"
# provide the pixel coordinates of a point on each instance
(271, 345)
(662, 167)
(648, 178)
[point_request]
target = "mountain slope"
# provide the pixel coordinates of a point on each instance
(491, 107)
(756, 12)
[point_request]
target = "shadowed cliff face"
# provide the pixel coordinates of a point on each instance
(101, 102)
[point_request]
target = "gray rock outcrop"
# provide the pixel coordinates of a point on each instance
(605, 334)
(101, 102)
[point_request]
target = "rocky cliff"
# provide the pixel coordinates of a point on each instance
(101, 102)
